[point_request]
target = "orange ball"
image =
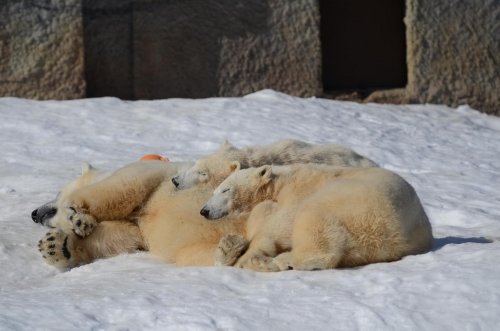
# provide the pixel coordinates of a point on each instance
(154, 157)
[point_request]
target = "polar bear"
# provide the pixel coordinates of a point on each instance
(102, 214)
(215, 168)
(310, 217)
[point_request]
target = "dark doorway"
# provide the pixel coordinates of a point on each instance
(363, 44)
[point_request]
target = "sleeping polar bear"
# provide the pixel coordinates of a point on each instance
(103, 214)
(216, 167)
(310, 217)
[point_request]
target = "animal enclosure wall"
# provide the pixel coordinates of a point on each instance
(201, 48)
(445, 52)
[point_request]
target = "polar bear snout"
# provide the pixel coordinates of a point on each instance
(43, 214)
(205, 212)
(212, 214)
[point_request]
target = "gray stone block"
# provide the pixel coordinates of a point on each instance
(203, 48)
(284, 56)
(41, 49)
(454, 52)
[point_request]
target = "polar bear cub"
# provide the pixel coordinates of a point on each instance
(215, 168)
(310, 217)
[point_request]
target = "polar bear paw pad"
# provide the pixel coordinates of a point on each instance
(83, 223)
(56, 248)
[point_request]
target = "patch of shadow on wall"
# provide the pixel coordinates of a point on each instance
(161, 49)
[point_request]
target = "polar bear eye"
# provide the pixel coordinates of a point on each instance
(225, 190)
(201, 173)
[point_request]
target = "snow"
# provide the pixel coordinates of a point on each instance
(450, 156)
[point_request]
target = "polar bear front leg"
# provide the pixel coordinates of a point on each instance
(82, 222)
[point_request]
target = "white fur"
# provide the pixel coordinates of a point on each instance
(323, 216)
(216, 167)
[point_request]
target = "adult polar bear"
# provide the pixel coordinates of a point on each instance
(318, 217)
(137, 207)
(214, 168)
(94, 216)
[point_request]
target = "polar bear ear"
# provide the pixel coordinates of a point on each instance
(234, 166)
(226, 145)
(86, 167)
(264, 173)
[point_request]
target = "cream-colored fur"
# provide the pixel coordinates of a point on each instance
(136, 207)
(108, 239)
(318, 217)
(214, 168)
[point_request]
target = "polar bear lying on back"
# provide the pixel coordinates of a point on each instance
(103, 214)
(312, 217)
(216, 167)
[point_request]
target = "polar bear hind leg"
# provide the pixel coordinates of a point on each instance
(319, 241)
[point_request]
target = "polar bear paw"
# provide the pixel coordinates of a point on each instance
(284, 261)
(261, 263)
(56, 248)
(230, 248)
(83, 223)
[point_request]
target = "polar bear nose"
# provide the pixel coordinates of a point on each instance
(34, 215)
(175, 180)
(204, 212)
(42, 214)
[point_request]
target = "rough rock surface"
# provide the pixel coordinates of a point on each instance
(41, 49)
(453, 52)
(226, 48)
(285, 56)
(146, 49)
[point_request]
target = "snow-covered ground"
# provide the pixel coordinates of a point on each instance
(451, 156)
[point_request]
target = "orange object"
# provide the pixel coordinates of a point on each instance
(157, 157)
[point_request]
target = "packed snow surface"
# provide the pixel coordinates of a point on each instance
(450, 156)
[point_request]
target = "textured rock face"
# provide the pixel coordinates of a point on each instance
(454, 52)
(205, 48)
(41, 49)
(285, 56)
(146, 49)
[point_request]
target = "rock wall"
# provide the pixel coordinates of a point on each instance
(41, 49)
(146, 49)
(453, 52)
(284, 55)
(203, 48)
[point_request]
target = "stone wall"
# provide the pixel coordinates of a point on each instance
(285, 55)
(109, 53)
(453, 52)
(41, 49)
(148, 49)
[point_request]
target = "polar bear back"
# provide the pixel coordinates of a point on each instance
(294, 151)
(379, 209)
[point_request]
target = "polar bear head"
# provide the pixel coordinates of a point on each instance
(239, 193)
(212, 169)
(46, 214)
